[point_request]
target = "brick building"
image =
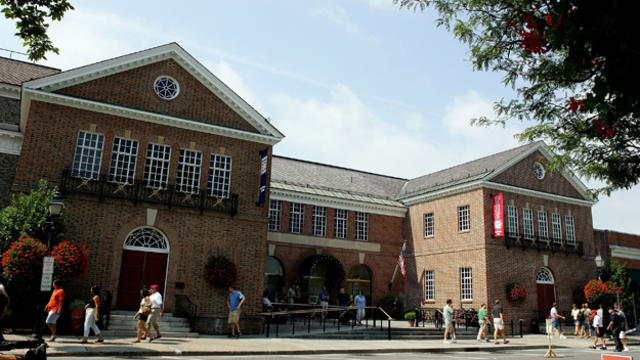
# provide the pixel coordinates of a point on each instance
(159, 166)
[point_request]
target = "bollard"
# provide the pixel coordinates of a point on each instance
(293, 325)
(512, 330)
(521, 327)
(389, 329)
(309, 324)
(324, 322)
(268, 326)
(277, 328)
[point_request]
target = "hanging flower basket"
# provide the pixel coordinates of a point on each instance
(71, 260)
(22, 262)
(516, 293)
(220, 272)
(599, 292)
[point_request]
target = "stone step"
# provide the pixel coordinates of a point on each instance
(163, 319)
(165, 334)
(122, 326)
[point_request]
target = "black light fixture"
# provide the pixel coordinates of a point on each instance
(56, 204)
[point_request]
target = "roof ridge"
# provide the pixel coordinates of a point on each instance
(30, 63)
(338, 167)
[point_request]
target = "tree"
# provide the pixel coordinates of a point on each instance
(574, 67)
(31, 21)
(28, 214)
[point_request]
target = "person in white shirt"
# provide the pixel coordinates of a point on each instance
(598, 331)
(156, 311)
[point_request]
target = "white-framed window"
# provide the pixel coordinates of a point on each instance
(466, 284)
(362, 226)
(527, 223)
(123, 161)
(543, 225)
(189, 165)
(219, 176)
(512, 221)
(341, 223)
(296, 218)
(428, 225)
(463, 218)
(156, 166)
(275, 214)
(429, 285)
(570, 228)
(556, 228)
(319, 221)
(86, 162)
(166, 87)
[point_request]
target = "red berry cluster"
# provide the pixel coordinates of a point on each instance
(516, 293)
(71, 260)
(597, 291)
(23, 260)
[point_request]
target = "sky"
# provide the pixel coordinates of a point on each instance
(358, 83)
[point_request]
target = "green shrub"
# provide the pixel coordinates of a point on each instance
(411, 315)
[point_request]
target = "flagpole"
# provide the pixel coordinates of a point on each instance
(395, 270)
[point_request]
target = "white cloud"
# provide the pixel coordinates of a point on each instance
(340, 17)
(382, 4)
(234, 81)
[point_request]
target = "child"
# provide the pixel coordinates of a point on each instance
(598, 331)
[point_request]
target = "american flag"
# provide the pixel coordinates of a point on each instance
(403, 269)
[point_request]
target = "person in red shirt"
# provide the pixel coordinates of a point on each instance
(54, 308)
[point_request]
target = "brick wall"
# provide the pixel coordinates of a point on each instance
(9, 111)
(8, 165)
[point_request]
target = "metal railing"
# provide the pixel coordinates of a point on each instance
(316, 318)
(543, 244)
(139, 191)
(185, 308)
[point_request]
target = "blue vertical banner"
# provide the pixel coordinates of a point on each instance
(264, 158)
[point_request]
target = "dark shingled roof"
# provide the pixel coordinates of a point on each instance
(327, 177)
(468, 171)
(16, 72)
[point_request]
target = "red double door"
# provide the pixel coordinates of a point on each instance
(139, 269)
(546, 297)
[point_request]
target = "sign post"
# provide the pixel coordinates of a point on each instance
(47, 273)
(550, 353)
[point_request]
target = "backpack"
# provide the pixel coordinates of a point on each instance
(581, 317)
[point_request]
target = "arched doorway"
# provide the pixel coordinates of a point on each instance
(545, 286)
(318, 271)
(359, 278)
(273, 274)
(145, 256)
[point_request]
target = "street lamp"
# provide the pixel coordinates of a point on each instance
(599, 264)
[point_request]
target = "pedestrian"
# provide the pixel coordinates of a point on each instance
(615, 326)
(498, 323)
(586, 324)
(156, 312)
(54, 308)
(266, 303)
(483, 321)
(91, 316)
(343, 297)
(234, 302)
(575, 314)
(598, 331)
(624, 327)
(324, 301)
(142, 331)
(291, 295)
(361, 303)
(447, 313)
(555, 320)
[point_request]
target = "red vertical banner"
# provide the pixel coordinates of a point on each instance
(498, 216)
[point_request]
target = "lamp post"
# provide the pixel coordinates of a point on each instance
(599, 264)
(55, 208)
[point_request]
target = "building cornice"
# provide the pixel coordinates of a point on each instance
(625, 252)
(115, 110)
(322, 242)
(10, 142)
(138, 59)
(10, 91)
(449, 191)
(319, 200)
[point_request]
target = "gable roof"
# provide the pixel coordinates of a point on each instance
(44, 88)
(16, 72)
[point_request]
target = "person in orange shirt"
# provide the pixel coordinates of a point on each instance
(54, 308)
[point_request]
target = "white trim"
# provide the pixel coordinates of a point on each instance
(474, 185)
(10, 91)
(625, 252)
(538, 194)
(542, 147)
(174, 81)
(166, 250)
(138, 115)
(10, 142)
(316, 241)
(298, 197)
(154, 55)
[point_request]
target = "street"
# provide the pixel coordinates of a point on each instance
(586, 354)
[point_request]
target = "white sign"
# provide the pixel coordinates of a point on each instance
(45, 284)
(47, 265)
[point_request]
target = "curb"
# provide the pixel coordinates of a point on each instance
(299, 352)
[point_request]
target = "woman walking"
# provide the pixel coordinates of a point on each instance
(142, 329)
(91, 315)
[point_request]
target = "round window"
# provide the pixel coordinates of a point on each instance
(538, 170)
(166, 87)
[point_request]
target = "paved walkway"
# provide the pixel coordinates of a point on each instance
(254, 345)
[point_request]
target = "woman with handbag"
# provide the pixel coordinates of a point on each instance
(91, 315)
(142, 314)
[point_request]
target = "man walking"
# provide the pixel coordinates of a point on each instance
(156, 311)
(555, 320)
(498, 323)
(234, 302)
(324, 301)
(54, 308)
(482, 323)
(447, 313)
(615, 326)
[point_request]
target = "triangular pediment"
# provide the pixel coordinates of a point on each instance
(205, 98)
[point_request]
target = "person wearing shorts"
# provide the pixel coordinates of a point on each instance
(234, 302)
(449, 330)
(156, 311)
(498, 323)
(555, 320)
(482, 323)
(598, 331)
(54, 308)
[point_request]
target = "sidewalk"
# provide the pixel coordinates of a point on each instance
(259, 345)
